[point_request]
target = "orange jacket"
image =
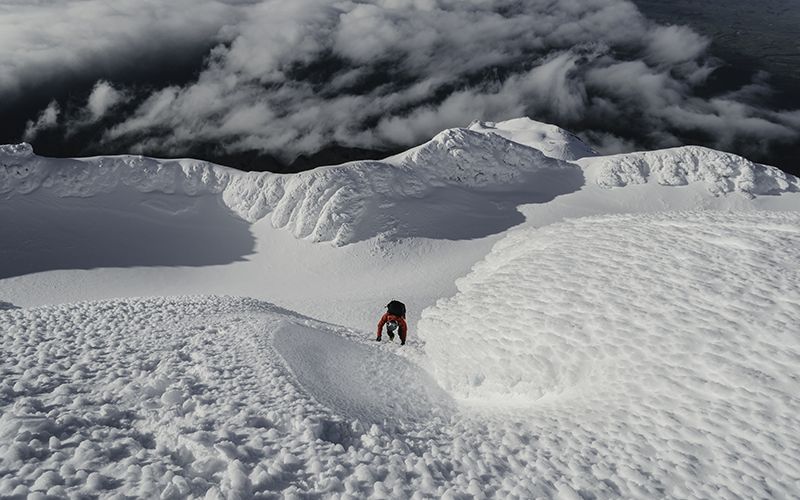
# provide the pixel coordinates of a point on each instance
(391, 317)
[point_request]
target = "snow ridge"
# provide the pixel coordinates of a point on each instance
(23, 172)
(328, 204)
(721, 172)
(332, 203)
(351, 202)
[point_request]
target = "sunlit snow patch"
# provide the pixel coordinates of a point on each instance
(686, 306)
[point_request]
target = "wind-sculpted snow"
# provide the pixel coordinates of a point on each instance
(22, 172)
(665, 344)
(721, 172)
(358, 200)
(341, 204)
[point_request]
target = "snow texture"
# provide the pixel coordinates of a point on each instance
(607, 361)
(659, 351)
(189, 397)
(722, 173)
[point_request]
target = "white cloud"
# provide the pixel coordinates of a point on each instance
(47, 119)
(292, 77)
(102, 99)
(68, 39)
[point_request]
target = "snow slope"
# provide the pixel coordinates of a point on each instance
(342, 204)
(91, 229)
(612, 388)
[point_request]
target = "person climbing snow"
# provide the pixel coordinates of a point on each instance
(395, 321)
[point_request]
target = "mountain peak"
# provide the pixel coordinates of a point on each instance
(551, 140)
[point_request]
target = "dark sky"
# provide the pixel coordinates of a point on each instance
(287, 85)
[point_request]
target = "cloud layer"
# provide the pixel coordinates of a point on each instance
(291, 78)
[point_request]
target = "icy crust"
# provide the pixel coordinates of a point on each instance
(553, 141)
(721, 172)
(669, 340)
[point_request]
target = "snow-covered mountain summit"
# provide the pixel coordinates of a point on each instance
(340, 204)
(625, 325)
(551, 140)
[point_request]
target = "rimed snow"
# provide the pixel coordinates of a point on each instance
(351, 202)
(722, 173)
(325, 204)
(668, 341)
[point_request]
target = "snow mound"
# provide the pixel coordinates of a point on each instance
(186, 397)
(553, 141)
(721, 172)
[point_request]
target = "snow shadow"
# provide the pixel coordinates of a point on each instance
(42, 232)
(457, 213)
(364, 382)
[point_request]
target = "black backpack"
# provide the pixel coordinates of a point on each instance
(396, 308)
